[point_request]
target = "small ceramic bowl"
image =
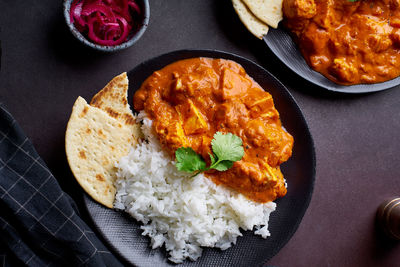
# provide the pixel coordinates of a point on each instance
(132, 38)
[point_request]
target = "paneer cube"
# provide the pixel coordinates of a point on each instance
(178, 84)
(175, 136)
(270, 173)
(193, 121)
(263, 107)
(265, 101)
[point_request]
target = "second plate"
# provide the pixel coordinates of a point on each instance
(282, 45)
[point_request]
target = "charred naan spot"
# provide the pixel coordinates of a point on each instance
(110, 86)
(84, 111)
(119, 79)
(119, 125)
(96, 103)
(123, 100)
(88, 131)
(112, 148)
(129, 119)
(112, 113)
(96, 100)
(101, 134)
(82, 154)
(105, 161)
(100, 177)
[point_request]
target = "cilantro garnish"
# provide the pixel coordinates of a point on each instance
(188, 160)
(227, 148)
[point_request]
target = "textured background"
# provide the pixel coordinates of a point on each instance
(44, 69)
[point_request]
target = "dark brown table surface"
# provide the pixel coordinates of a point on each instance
(44, 69)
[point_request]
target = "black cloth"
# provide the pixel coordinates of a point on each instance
(39, 223)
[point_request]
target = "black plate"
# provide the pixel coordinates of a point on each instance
(123, 233)
(282, 45)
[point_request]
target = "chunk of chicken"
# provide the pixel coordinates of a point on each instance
(379, 42)
(394, 4)
(260, 176)
(233, 84)
(231, 114)
(326, 14)
(299, 9)
(314, 39)
(344, 70)
(395, 37)
(271, 139)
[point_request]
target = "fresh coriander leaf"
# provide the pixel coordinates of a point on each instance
(223, 165)
(212, 158)
(227, 147)
(188, 160)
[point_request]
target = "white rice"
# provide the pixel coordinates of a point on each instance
(180, 212)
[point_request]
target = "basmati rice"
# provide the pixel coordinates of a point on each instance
(180, 212)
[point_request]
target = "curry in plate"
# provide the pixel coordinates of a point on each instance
(190, 100)
(349, 42)
(210, 107)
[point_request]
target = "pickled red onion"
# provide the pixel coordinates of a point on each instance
(134, 6)
(105, 22)
(76, 11)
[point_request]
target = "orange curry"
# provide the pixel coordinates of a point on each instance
(348, 42)
(190, 100)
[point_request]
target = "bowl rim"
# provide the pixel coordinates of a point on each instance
(135, 37)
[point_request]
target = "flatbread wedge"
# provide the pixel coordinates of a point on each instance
(94, 141)
(252, 23)
(113, 99)
(268, 11)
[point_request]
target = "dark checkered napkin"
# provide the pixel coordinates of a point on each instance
(39, 224)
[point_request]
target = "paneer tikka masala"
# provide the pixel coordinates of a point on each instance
(190, 100)
(349, 42)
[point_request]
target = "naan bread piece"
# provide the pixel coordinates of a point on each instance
(94, 141)
(113, 99)
(252, 23)
(268, 11)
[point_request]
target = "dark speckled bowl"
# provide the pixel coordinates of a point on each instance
(133, 37)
